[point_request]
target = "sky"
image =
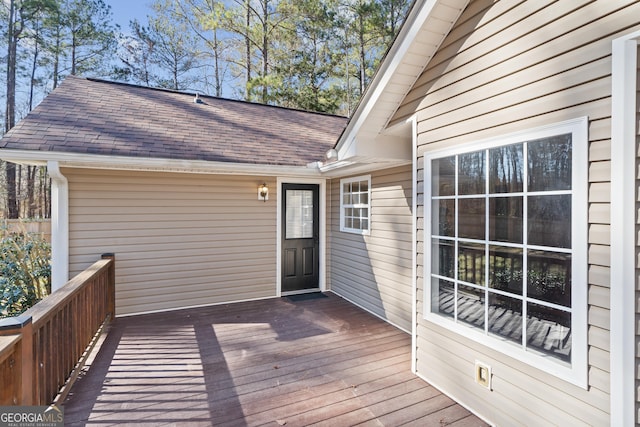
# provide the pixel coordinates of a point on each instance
(127, 10)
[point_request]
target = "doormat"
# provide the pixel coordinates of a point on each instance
(306, 297)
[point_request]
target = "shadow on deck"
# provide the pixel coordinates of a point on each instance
(270, 362)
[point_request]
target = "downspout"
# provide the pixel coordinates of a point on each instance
(59, 226)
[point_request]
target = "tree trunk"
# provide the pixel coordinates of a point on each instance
(56, 59)
(265, 50)
(12, 199)
(216, 53)
(12, 46)
(31, 190)
(247, 41)
(73, 54)
(19, 190)
(10, 118)
(363, 59)
(34, 64)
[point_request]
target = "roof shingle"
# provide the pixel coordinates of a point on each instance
(99, 117)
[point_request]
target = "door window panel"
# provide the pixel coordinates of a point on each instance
(299, 215)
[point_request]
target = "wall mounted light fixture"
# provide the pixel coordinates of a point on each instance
(263, 192)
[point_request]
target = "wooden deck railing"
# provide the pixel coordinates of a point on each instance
(44, 348)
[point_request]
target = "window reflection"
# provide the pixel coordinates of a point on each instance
(505, 269)
(471, 218)
(505, 219)
(443, 172)
(442, 257)
(471, 261)
(549, 221)
(550, 163)
(443, 217)
(471, 173)
(505, 317)
(506, 166)
(442, 297)
(510, 277)
(549, 331)
(549, 277)
(471, 305)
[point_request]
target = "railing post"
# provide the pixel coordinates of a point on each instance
(23, 325)
(111, 283)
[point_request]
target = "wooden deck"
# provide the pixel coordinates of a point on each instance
(274, 362)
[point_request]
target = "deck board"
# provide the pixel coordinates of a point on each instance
(275, 362)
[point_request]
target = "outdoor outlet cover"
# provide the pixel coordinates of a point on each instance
(483, 374)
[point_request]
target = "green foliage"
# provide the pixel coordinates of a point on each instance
(25, 272)
(316, 55)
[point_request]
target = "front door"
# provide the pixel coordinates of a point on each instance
(300, 237)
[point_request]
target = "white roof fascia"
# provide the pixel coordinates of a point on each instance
(417, 19)
(94, 161)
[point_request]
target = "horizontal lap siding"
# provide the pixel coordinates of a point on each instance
(180, 240)
(506, 67)
(374, 271)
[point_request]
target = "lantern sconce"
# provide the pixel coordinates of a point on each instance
(263, 192)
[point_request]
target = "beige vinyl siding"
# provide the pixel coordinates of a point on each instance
(511, 66)
(180, 240)
(374, 271)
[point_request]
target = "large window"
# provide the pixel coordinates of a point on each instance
(355, 196)
(506, 256)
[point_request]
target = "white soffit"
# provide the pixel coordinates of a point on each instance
(426, 26)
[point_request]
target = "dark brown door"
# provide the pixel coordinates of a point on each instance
(300, 237)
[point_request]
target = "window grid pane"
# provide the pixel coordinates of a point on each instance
(501, 257)
(355, 205)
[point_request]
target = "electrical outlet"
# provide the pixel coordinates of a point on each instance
(483, 374)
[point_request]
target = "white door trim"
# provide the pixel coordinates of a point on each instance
(322, 183)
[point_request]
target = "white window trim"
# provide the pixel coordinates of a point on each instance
(577, 372)
(343, 228)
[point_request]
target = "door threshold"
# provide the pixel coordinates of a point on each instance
(300, 292)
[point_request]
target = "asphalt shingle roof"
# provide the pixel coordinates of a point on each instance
(98, 117)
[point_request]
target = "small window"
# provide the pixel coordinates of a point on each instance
(506, 260)
(355, 196)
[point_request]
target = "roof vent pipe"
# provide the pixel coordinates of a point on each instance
(197, 99)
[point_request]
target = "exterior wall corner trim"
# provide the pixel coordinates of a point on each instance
(623, 159)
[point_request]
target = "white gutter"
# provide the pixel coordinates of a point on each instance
(59, 226)
(623, 223)
(94, 161)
